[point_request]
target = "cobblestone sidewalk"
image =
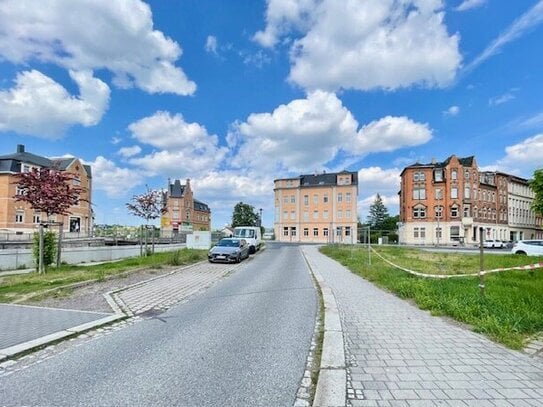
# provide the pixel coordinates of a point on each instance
(398, 355)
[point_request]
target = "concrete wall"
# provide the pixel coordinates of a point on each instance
(11, 259)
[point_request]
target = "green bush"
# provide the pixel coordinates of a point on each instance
(49, 248)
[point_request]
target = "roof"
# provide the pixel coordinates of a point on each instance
(309, 180)
(176, 190)
(200, 206)
(464, 162)
(12, 162)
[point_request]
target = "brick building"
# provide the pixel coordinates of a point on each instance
(19, 217)
(447, 202)
(318, 208)
(184, 212)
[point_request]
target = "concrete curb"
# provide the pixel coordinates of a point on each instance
(332, 383)
(15, 350)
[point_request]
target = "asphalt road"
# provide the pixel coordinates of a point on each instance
(243, 342)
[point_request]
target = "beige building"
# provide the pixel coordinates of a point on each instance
(184, 212)
(317, 208)
(19, 217)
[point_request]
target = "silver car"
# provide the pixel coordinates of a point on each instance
(528, 247)
(229, 250)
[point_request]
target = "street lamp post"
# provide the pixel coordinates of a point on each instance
(260, 217)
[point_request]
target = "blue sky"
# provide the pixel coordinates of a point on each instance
(233, 94)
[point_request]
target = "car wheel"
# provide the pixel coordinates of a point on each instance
(522, 253)
(238, 259)
(252, 250)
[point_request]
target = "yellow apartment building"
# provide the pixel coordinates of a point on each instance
(19, 217)
(317, 208)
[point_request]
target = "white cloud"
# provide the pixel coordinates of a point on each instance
(498, 100)
(300, 136)
(39, 106)
(306, 134)
(129, 151)
(115, 181)
(389, 134)
(375, 180)
(185, 147)
(451, 111)
(520, 26)
(391, 202)
(92, 35)
(524, 157)
(211, 44)
(364, 45)
(470, 4)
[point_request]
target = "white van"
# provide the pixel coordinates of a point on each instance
(251, 234)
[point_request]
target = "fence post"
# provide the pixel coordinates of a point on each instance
(481, 263)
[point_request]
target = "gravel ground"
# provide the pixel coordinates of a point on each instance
(90, 297)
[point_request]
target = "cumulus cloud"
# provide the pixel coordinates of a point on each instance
(39, 106)
(305, 134)
(470, 4)
(211, 44)
(92, 35)
(182, 144)
(115, 181)
(377, 180)
(127, 152)
(364, 45)
(451, 111)
(524, 157)
(389, 134)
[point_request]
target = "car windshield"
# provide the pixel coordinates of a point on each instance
(249, 233)
(229, 243)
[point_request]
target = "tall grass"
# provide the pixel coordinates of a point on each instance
(510, 311)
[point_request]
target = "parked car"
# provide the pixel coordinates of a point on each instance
(528, 247)
(491, 243)
(229, 250)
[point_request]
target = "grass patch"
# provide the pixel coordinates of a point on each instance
(16, 287)
(510, 312)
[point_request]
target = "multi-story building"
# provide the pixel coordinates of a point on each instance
(184, 212)
(449, 202)
(19, 217)
(317, 208)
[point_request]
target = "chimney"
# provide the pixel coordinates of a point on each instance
(20, 148)
(434, 161)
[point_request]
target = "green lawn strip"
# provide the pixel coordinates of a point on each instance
(16, 287)
(510, 312)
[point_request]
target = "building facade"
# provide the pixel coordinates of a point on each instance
(448, 202)
(19, 217)
(184, 212)
(317, 208)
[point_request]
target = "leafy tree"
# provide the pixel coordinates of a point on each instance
(537, 186)
(149, 206)
(244, 215)
(50, 191)
(378, 214)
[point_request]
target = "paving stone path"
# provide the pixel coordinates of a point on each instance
(398, 355)
(164, 291)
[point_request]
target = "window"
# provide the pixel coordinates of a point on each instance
(306, 215)
(20, 191)
(422, 233)
(455, 232)
(19, 216)
(285, 199)
(325, 232)
(175, 214)
(76, 181)
(285, 231)
(306, 199)
(419, 212)
(325, 198)
(26, 168)
(439, 193)
(176, 203)
(292, 199)
(315, 199)
(418, 176)
(467, 192)
(285, 214)
(348, 214)
(325, 214)
(438, 211)
(348, 197)
(315, 214)
(339, 231)
(466, 174)
(306, 232)
(416, 233)
(292, 215)
(454, 174)
(438, 175)
(36, 217)
(454, 211)
(293, 231)
(439, 233)
(340, 214)
(419, 193)
(347, 231)
(339, 197)
(454, 193)
(315, 231)
(467, 212)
